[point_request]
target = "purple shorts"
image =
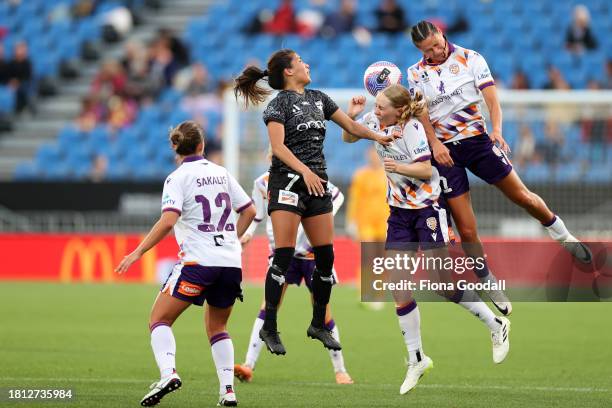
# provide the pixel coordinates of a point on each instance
(219, 286)
(299, 269)
(409, 229)
(479, 155)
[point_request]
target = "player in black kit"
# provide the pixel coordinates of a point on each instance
(296, 120)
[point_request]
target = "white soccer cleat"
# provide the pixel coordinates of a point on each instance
(160, 389)
(414, 374)
(501, 340)
(228, 399)
(500, 301)
(578, 250)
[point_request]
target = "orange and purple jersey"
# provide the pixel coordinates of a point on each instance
(452, 91)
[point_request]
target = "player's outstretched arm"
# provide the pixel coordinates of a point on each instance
(357, 130)
(161, 228)
(355, 107)
(419, 170)
(439, 151)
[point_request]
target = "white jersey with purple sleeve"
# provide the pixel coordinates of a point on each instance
(303, 249)
(452, 90)
(206, 196)
(412, 147)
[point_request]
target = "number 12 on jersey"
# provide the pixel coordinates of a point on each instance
(221, 201)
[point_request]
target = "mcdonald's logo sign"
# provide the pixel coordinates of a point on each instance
(85, 255)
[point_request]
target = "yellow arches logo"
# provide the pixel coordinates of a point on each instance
(86, 255)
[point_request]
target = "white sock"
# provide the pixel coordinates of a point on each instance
(255, 343)
(558, 231)
(410, 323)
(223, 355)
(336, 356)
(164, 348)
(474, 304)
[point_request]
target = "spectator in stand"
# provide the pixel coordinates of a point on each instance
(460, 25)
(525, 151)
(597, 130)
(550, 147)
(163, 67)
(199, 80)
(180, 53)
(109, 81)
(92, 113)
(139, 85)
(520, 81)
(20, 71)
(579, 34)
(99, 169)
(555, 79)
(341, 21)
(121, 111)
(283, 21)
(5, 67)
(391, 17)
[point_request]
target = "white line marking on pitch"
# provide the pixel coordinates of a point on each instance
(318, 384)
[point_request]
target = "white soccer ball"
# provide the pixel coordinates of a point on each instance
(380, 75)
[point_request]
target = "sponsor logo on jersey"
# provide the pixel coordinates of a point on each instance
(425, 76)
(422, 147)
(432, 223)
(167, 200)
(454, 69)
(311, 124)
(190, 289)
(441, 88)
(296, 110)
(305, 103)
(287, 198)
(484, 75)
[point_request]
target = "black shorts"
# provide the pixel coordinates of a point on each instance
(287, 191)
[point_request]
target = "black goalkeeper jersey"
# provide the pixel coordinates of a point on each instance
(304, 117)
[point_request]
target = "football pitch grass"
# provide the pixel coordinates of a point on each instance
(94, 339)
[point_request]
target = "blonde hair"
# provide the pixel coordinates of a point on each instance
(400, 98)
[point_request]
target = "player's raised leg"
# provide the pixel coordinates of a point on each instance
(465, 220)
(222, 350)
(285, 225)
(499, 326)
(518, 193)
(166, 310)
(320, 231)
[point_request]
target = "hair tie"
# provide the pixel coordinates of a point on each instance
(265, 72)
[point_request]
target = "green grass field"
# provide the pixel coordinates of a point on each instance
(94, 339)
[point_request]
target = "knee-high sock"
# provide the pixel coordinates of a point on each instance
(255, 343)
(164, 348)
(410, 323)
(222, 350)
(474, 304)
(337, 358)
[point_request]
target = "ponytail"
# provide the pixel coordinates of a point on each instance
(247, 87)
(414, 108)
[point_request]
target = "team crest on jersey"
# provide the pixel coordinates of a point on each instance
(319, 105)
(432, 223)
(454, 69)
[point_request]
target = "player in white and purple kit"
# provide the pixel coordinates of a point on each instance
(454, 81)
(301, 268)
(199, 201)
(416, 220)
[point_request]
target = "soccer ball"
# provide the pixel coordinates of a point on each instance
(380, 75)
